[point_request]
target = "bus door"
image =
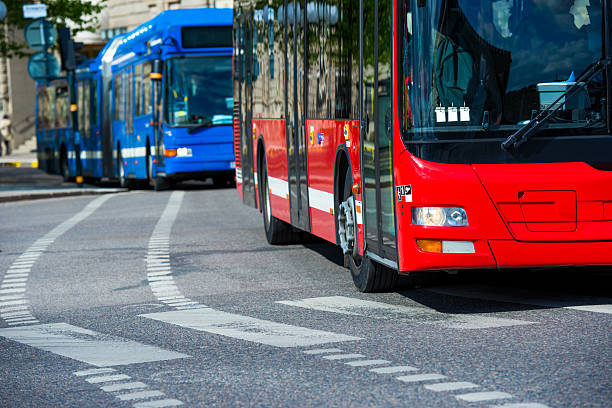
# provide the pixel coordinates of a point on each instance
(376, 141)
(296, 115)
(245, 67)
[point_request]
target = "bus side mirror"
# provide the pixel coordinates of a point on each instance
(157, 69)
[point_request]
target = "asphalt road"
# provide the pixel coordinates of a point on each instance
(164, 299)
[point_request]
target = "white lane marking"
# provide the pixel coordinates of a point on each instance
(94, 371)
(158, 404)
(140, 395)
(393, 370)
(379, 310)
(365, 363)
(521, 405)
(23, 264)
(87, 346)
(483, 396)
(420, 377)
(107, 378)
(159, 272)
(450, 386)
(248, 328)
(532, 298)
(343, 356)
(124, 386)
(323, 351)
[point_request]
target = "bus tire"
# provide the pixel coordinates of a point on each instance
(368, 276)
(277, 231)
(161, 184)
(63, 165)
(124, 182)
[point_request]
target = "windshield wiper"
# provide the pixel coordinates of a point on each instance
(519, 137)
(208, 122)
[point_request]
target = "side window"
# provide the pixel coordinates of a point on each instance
(82, 107)
(138, 90)
(85, 111)
(61, 107)
(146, 87)
(117, 97)
(94, 103)
(49, 107)
(129, 101)
(41, 108)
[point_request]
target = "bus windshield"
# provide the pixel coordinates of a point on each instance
(481, 69)
(199, 91)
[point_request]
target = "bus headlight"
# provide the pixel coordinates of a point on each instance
(439, 216)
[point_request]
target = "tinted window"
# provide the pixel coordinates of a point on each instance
(206, 37)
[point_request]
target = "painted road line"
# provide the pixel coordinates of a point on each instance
(158, 404)
(248, 328)
(450, 386)
(483, 396)
(22, 266)
(323, 351)
(365, 363)
(107, 378)
(379, 310)
(394, 369)
(94, 371)
(140, 395)
(124, 386)
(532, 298)
(84, 345)
(343, 356)
(521, 405)
(159, 272)
(420, 377)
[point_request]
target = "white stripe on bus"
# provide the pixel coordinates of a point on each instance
(321, 200)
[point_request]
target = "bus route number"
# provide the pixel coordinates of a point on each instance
(404, 191)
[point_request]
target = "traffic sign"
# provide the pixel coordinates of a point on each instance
(34, 10)
(2, 10)
(40, 34)
(43, 67)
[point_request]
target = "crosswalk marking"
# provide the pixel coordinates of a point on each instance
(380, 310)
(521, 405)
(94, 371)
(124, 386)
(158, 404)
(525, 297)
(107, 378)
(323, 351)
(483, 396)
(140, 395)
(84, 345)
(450, 386)
(343, 356)
(248, 328)
(365, 363)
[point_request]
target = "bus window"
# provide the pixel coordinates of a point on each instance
(94, 103)
(138, 89)
(81, 105)
(62, 108)
(49, 107)
(85, 123)
(118, 112)
(129, 102)
(146, 88)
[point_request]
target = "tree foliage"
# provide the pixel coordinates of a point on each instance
(79, 15)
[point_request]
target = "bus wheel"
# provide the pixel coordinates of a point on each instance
(124, 182)
(277, 231)
(368, 276)
(64, 169)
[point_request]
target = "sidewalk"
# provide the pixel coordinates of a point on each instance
(20, 179)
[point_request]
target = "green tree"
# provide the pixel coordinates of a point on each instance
(80, 15)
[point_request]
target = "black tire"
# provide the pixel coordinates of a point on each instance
(278, 232)
(223, 181)
(368, 275)
(124, 182)
(149, 166)
(64, 169)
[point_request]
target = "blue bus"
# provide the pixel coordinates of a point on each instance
(155, 106)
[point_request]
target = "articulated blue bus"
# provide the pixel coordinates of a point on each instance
(155, 105)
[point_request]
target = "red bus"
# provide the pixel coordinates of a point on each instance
(428, 135)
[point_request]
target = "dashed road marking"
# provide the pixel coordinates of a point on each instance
(159, 404)
(94, 371)
(366, 363)
(22, 266)
(380, 310)
(140, 395)
(450, 386)
(521, 405)
(393, 369)
(323, 351)
(87, 346)
(343, 356)
(107, 378)
(420, 377)
(124, 386)
(483, 396)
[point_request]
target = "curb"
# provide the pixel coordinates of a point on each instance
(58, 193)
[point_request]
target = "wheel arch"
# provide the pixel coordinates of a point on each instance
(342, 163)
(261, 156)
